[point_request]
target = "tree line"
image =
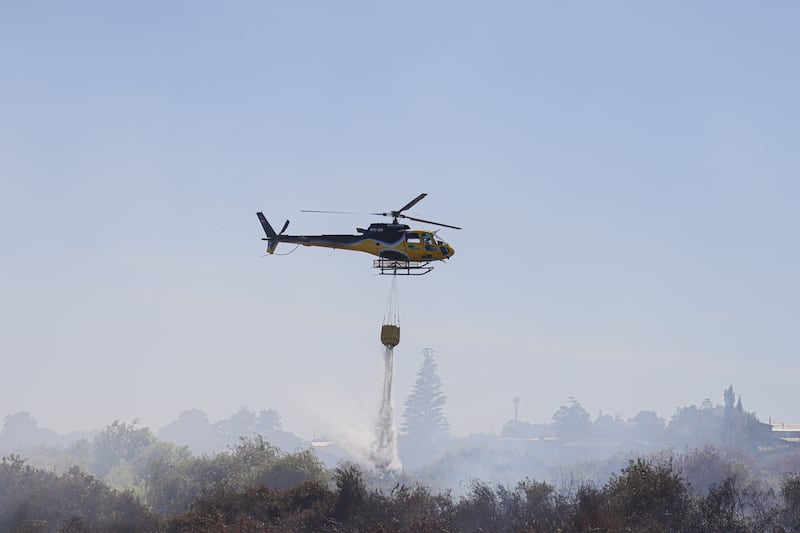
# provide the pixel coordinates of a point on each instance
(728, 424)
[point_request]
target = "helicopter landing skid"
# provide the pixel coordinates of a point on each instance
(393, 267)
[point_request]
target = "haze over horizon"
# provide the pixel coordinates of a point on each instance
(626, 176)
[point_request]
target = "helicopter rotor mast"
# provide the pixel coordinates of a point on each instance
(398, 213)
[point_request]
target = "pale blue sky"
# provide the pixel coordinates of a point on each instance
(626, 174)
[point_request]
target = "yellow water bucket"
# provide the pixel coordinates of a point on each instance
(390, 335)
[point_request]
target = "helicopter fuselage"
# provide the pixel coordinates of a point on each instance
(388, 241)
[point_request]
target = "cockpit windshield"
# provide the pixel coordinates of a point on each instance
(435, 239)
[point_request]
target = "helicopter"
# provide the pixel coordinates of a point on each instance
(400, 249)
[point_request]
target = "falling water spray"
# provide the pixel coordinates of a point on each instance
(384, 449)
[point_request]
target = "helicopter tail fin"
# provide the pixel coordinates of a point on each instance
(272, 237)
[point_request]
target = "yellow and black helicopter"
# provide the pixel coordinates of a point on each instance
(400, 249)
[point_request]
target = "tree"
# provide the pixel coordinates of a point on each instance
(647, 427)
(424, 427)
(729, 422)
(174, 482)
(696, 426)
(423, 417)
(571, 420)
(191, 429)
(741, 429)
(790, 490)
(32, 498)
(649, 496)
(245, 423)
(119, 442)
(21, 430)
(607, 427)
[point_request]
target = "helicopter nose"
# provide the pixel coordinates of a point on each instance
(450, 251)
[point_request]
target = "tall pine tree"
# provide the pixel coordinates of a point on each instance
(423, 420)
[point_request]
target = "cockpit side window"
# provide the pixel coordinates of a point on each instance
(427, 238)
(413, 238)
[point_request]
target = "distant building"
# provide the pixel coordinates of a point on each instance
(787, 432)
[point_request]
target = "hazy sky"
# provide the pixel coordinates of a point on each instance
(626, 173)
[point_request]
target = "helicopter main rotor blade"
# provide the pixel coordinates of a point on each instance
(411, 204)
(395, 214)
(334, 212)
(428, 221)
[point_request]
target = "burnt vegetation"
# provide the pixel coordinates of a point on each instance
(248, 491)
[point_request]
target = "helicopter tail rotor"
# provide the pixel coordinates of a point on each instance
(272, 238)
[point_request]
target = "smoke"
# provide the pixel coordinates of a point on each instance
(345, 421)
(354, 439)
(384, 449)
(362, 429)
